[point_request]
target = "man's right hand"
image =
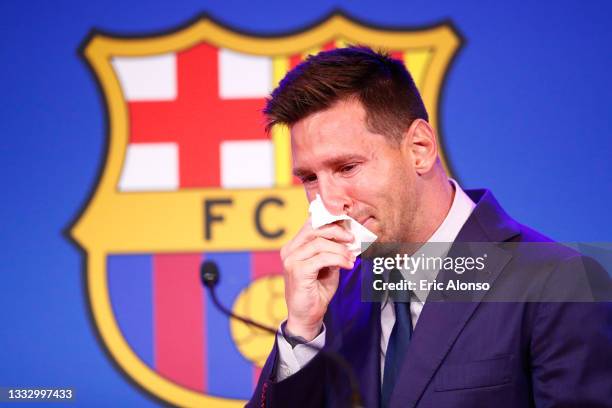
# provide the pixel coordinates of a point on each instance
(312, 262)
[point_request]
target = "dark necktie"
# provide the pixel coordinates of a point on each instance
(396, 349)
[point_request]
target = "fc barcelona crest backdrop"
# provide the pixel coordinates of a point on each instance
(191, 175)
(133, 150)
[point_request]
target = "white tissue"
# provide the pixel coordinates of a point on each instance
(320, 217)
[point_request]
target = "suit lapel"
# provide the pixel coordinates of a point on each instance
(441, 321)
(359, 341)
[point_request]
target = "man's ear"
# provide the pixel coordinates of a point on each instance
(420, 144)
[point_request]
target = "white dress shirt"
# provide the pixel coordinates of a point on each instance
(292, 360)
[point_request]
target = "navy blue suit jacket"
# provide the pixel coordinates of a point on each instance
(469, 354)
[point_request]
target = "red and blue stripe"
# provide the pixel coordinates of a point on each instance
(171, 324)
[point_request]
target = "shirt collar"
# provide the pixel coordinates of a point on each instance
(458, 214)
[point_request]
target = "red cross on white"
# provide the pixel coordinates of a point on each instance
(195, 120)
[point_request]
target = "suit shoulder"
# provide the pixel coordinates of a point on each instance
(541, 247)
(564, 272)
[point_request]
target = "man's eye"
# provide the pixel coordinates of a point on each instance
(348, 168)
(309, 179)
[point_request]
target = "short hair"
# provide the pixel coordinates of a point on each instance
(382, 84)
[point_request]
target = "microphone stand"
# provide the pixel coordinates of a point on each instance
(209, 273)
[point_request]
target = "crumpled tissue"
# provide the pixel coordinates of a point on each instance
(320, 217)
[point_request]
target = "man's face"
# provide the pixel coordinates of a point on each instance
(355, 171)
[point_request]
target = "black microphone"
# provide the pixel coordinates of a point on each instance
(209, 272)
(210, 275)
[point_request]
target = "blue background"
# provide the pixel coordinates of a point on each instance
(525, 111)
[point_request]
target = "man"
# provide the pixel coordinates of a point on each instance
(361, 140)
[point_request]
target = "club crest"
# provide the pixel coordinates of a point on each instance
(190, 175)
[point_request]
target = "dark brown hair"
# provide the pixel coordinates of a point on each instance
(382, 85)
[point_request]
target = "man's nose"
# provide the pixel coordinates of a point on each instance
(334, 197)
